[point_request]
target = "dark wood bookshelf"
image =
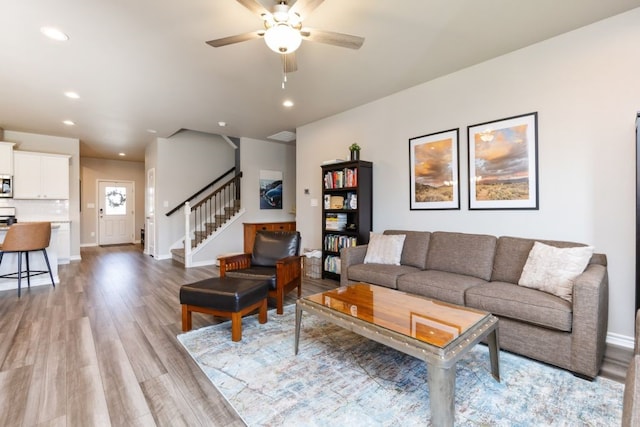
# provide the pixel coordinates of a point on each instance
(350, 182)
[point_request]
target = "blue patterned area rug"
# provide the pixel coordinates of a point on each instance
(340, 378)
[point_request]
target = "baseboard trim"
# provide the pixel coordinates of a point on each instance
(616, 362)
(620, 340)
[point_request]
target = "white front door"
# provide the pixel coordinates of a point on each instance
(150, 232)
(116, 212)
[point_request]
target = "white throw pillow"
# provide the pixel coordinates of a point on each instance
(384, 249)
(554, 270)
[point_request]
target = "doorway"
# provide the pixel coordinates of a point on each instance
(150, 227)
(116, 212)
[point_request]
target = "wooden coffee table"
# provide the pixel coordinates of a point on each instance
(433, 331)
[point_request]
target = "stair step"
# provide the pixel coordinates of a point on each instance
(178, 255)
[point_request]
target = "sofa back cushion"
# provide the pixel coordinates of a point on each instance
(461, 253)
(416, 246)
(512, 254)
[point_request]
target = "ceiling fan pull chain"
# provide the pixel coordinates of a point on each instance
(284, 71)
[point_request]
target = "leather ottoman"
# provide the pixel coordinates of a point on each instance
(228, 297)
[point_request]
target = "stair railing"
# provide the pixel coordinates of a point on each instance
(209, 214)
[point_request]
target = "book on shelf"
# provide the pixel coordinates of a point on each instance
(347, 177)
(332, 264)
(335, 221)
(335, 242)
(331, 161)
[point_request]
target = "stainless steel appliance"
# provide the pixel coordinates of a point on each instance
(7, 216)
(6, 186)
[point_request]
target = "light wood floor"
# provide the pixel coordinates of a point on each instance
(100, 349)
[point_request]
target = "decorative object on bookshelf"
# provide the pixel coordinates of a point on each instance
(354, 149)
(434, 174)
(337, 202)
(347, 210)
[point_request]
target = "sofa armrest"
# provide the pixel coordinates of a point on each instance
(590, 319)
(631, 396)
(348, 257)
(234, 262)
(636, 349)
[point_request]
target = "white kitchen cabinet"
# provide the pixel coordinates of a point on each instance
(40, 175)
(6, 158)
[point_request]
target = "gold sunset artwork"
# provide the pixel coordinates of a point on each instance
(434, 181)
(502, 164)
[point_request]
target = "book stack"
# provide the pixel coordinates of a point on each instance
(334, 242)
(341, 178)
(332, 264)
(335, 221)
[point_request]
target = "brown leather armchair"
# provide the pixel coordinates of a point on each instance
(275, 258)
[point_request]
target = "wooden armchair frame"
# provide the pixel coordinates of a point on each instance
(288, 274)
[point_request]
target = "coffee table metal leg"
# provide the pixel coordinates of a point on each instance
(442, 383)
(298, 319)
(494, 353)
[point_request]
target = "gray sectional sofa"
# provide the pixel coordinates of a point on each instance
(482, 272)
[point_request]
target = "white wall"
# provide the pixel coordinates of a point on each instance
(52, 209)
(184, 164)
(257, 155)
(586, 90)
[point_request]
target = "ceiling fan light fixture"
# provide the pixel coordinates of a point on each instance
(281, 38)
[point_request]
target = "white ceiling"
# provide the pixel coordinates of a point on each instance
(144, 64)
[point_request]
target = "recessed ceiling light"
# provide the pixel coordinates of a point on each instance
(69, 122)
(121, 154)
(54, 34)
(72, 95)
(288, 103)
(222, 124)
(152, 131)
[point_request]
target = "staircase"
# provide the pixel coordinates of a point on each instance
(207, 218)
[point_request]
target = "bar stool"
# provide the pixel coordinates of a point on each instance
(23, 238)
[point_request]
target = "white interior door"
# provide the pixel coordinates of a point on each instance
(150, 226)
(116, 212)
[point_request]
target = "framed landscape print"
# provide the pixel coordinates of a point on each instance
(503, 163)
(433, 169)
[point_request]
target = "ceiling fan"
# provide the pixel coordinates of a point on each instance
(283, 31)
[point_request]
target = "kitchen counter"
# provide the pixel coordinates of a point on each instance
(36, 262)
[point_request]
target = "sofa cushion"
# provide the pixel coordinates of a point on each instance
(468, 254)
(416, 246)
(512, 254)
(440, 285)
(520, 303)
(379, 274)
(383, 249)
(554, 270)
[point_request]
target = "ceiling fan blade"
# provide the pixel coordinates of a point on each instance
(305, 7)
(289, 62)
(236, 39)
(329, 37)
(253, 6)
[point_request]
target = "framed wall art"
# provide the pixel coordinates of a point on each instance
(503, 163)
(270, 189)
(433, 168)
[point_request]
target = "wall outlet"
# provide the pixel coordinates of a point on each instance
(314, 202)
(93, 234)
